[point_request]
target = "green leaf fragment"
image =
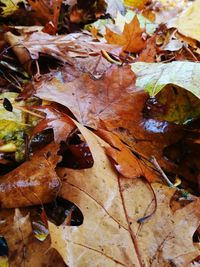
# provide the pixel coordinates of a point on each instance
(153, 77)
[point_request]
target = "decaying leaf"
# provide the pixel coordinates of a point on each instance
(110, 234)
(153, 77)
(131, 39)
(24, 248)
(31, 183)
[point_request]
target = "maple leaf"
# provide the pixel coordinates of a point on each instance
(110, 234)
(131, 39)
(96, 103)
(30, 183)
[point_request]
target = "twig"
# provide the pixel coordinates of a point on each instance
(164, 176)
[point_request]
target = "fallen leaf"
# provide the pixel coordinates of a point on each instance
(110, 234)
(60, 123)
(125, 162)
(173, 104)
(188, 23)
(96, 103)
(30, 183)
(140, 4)
(24, 249)
(149, 53)
(48, 11)
(9, 6)
(131, 39)
(153, 77)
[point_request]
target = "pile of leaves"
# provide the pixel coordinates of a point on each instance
(99, 133)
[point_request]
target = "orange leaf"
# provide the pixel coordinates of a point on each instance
(47, 12)
(126, 162)
(131, 39)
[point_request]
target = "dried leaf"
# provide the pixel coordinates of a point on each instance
(30, 183)
(131, 39)
(110, 234)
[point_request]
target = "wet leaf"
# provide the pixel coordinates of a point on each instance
(60, 123)
(30, 183)
(131, 39)
(153, 77)
(24, 248)
(96, 103)
(173, 104)
(125, 162)
(113, 236)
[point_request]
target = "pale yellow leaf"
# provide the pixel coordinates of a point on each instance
(188, 23)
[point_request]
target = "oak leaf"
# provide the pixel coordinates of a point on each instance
(112, 205)
(131, 39)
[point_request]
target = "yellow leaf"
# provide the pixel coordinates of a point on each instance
(188, 23)
(131, 38)
(135, 3)
(9, 6)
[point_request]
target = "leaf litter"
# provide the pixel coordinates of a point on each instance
(113, 127)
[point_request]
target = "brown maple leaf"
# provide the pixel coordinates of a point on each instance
(115, 104)
(112, 206)
(131, 39)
